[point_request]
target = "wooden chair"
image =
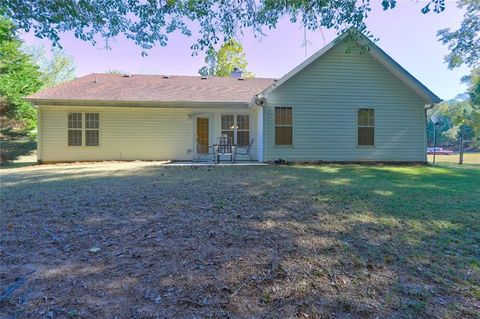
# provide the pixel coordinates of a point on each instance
(246, 150)
(225, 147)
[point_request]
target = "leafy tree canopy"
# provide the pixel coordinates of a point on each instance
(116, 71)
(473, 82)
(19, 77)
(24, 71)
(56, 68)
(222, 63)
(464, 43)
(149, 22)
(457, 118)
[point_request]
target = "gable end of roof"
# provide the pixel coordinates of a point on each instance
(376, 52)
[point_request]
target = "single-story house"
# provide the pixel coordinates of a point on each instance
(348, 102)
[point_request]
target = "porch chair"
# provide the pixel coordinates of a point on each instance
(224, 147)
(246, 150)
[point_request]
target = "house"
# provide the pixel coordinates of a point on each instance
(348, 102)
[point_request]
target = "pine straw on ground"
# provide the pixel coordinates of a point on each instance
(240, 242)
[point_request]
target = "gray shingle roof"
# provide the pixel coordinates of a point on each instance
(155, 88)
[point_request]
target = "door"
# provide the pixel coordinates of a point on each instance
(202, 135)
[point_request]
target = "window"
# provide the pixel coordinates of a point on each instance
(243, 130)
(91, 129)
(83, 126)
(283, 126)
(228, 126)
(75, 129)
(237, 127)
(366, 127)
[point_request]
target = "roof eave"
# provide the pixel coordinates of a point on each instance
(145, 104)
(405, 76)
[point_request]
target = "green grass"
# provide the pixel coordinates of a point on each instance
(469, 160)
(328, 240)
(422, 221)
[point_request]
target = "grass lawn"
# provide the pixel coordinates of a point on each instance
(469, 159)
(330, 241)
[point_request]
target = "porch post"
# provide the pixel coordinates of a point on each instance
(260, 133)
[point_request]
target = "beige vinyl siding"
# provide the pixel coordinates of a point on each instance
(325, 97)
(129, 133)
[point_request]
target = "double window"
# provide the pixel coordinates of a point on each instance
(366, 127)
(83, 129)
(237, 127)
(283, 126)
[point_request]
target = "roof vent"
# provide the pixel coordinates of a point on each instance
(127, 75)
(241, 79)
(204, 77)
(276, 80)
(166, 76)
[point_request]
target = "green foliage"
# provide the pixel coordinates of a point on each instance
(457, 118)
(56, 68)
(473, 82)
(211, 61)
(24, 72)
(115, 71)
(19, 77)
(222, 63)
(149, 23)
(464, 43)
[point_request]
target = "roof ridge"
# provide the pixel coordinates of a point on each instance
(175, 75)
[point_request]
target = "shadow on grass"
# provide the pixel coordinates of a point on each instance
(10, 165)
(324, 241)
(10, 150)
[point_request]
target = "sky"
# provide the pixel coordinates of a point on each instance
(406, 34)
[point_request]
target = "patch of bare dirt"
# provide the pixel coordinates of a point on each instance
(146, 241)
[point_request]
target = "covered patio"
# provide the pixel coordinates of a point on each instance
(227, 135)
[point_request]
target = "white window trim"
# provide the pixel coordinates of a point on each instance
(84, 129)
(90, 129)
(374, 126)
(74, 129)
(275, 125)
(235, 130)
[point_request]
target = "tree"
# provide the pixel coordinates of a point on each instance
(464, 43)
(115, 71)
(457, 118)
(222, 63)
(473, 82)
(19, 77)
(211, 61)
(54, 69)
(149, 22)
